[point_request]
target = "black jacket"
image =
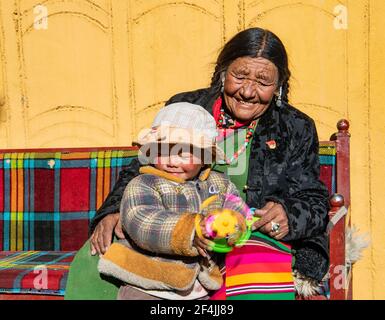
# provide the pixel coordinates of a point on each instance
(288, 174)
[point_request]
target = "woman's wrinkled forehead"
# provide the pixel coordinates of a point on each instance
(258, 67)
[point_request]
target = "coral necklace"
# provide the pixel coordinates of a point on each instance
(249, 134)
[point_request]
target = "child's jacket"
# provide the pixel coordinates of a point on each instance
(158, 213)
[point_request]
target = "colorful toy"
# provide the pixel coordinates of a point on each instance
(227, 227)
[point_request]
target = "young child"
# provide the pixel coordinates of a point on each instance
(163, 258)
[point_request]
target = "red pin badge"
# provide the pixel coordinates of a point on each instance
(271, 144)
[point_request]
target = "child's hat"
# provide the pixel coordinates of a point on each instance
(183, 123)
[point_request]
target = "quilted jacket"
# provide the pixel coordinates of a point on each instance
(288, 174)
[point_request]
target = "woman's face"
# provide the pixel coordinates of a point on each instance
(250, 84)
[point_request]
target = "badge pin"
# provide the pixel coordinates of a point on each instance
(271, 144)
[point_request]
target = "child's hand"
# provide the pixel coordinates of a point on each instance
(202, 244)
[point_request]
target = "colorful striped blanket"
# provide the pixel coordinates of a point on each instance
(259, 270)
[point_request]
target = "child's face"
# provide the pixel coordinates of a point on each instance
(183, 165)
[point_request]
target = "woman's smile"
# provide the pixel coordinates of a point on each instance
(249, 86)
(244, 104)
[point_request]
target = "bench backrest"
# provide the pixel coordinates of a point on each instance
(48, 197)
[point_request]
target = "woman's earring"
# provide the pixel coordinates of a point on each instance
(223, 84)
(279, 98)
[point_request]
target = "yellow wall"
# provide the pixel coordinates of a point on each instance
(96, 71)
(374, 217)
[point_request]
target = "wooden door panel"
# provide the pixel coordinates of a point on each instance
(65, 73)
(69, 76)
(173, 49)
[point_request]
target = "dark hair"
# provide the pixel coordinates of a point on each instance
(254, 42)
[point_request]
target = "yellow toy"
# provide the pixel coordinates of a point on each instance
(226, 227)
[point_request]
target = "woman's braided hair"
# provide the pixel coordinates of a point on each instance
(254, 42)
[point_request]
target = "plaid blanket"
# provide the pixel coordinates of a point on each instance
(47, 199)
(34, 272)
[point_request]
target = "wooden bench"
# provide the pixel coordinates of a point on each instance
(49, 196)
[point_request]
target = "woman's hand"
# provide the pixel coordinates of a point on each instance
(271, 215)
(101, 238)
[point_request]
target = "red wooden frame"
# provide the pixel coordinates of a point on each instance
(340, 283)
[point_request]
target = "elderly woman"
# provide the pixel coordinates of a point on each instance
(249, 90)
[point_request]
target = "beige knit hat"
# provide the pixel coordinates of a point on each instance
(183, 123)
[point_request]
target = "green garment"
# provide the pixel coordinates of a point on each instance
(84, 280)
(240, 180)
(86, 283)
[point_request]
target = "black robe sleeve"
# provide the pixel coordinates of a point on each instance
(306, 199)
